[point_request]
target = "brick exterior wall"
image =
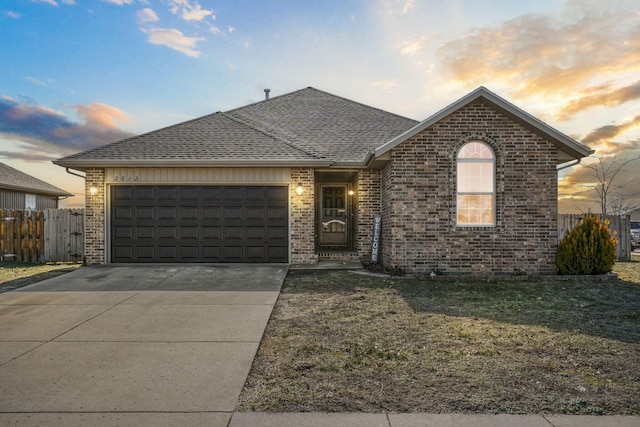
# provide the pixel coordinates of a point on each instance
(419, 231)
(94, 218)
(368, 197)
(302, 214)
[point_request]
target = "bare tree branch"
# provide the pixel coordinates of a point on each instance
(614, 196)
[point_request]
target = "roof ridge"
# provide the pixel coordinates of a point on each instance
(270, 134)
(361, 104)
(325, 93)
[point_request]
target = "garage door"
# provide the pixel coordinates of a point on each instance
(199, 224)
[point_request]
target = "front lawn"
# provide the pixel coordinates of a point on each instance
(341, 342)
(15, 275)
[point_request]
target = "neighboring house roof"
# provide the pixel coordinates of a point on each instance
(568, 148)
(308, 127)
(13, 179)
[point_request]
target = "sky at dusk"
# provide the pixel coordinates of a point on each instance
(76, 74)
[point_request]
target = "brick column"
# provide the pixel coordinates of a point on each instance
(94, 228)
(302, 214)
(368, 198)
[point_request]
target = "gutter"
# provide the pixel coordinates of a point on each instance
(200, 163)
(576, 162)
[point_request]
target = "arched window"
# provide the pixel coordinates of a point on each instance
(476, 185)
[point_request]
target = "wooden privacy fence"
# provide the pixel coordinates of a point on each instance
(620, 224)
(52, 235)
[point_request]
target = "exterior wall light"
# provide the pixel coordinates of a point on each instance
(299, 190)
(351, 192)
(93, 190)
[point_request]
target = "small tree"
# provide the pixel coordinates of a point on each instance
(587, 249)
(612, 193)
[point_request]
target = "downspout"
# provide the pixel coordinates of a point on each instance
(73, 173)
(84, 259)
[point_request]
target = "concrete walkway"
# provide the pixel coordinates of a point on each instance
(165, 345)
(251, 419)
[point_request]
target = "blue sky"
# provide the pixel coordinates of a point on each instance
(75, 74)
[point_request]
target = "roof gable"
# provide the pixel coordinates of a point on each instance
(13, 179)
(571, 148)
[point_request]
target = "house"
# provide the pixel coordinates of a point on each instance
(300, 178)
(19, 190)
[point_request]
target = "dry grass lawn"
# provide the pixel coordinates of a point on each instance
(340, 341)
(15, 275)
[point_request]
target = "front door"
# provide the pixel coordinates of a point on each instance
(333, 215)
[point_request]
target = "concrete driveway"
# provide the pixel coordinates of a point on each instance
(133, 345)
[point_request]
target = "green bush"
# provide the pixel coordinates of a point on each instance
(588, 249)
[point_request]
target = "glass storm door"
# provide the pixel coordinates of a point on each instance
(333, 215)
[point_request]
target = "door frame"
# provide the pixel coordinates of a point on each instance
(349, 217)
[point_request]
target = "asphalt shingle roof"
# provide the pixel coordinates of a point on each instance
(14, 179)
(305, 127)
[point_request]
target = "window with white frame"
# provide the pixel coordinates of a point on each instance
(476, 185)
(30, 202)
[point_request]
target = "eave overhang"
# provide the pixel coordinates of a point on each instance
(89, 164)
(35, 191)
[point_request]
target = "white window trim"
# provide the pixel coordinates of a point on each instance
(493, 193)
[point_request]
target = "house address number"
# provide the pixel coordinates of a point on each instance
(126, 178)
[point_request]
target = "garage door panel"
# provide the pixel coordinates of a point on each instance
(122, 193)
(275, 253)
(145, 252)
(190, 253)
(232, 213)
(168, 212)
(145, 233)
(188, 233)
(211, 233)
(233, 254)
(124, 252)
(211, 193)
(234, 234)
(255, 213)
(167, 253)
(145, 212)
(232, 193)
(199, 224)
(167, 193)
(255, 253)
(211, 213)
(186, 213)
(255, 233)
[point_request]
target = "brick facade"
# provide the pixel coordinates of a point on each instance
(368, 197)
(94, 217)
(416, 195)
(302, 214)
(419, 231)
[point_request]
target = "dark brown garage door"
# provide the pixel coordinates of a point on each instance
(199, 224)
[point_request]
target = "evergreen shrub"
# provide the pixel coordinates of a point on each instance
(587, 249)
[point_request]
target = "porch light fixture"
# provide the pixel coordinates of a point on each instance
(299, 189)
(93, 190)
(351, 192)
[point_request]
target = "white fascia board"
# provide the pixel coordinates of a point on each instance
(84, 164)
